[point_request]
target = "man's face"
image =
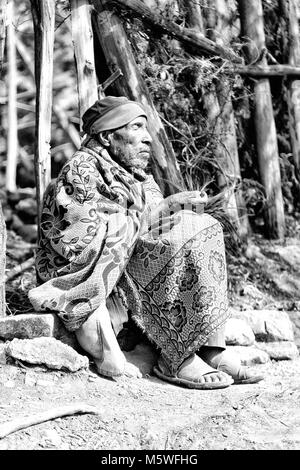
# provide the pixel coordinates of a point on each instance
(131, 144)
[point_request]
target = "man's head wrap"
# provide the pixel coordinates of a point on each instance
(110, 113)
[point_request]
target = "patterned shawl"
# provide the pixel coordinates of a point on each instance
(90, 223)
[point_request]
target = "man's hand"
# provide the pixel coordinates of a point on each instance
(195, 198)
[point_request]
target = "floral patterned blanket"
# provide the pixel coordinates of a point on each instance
(96, 246)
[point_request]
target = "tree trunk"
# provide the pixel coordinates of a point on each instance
(290, 11)
(117, 50)
(3, 13)
(12, 125)
(44, 19)
(252, 27)
(82, 37)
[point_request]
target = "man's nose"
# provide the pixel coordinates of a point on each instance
(147, 137)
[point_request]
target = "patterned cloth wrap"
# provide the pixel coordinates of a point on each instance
(99, 243)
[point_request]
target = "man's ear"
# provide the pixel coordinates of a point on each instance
(104, 138)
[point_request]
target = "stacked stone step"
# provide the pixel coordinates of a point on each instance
(39, 339)
(257, 336)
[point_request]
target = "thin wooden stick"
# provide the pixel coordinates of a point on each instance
(3, 9)
(278, 70)
(25, 422)
(20, 268)
(12, 137)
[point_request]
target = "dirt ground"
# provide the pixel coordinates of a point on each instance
(148, 414)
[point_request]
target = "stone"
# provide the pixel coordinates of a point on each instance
(27, 326)
(47, 351)
(35, 325)
(268, 325)
(238, 333)
(281, 350)
(249, 355)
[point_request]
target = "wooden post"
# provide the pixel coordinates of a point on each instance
(290, 11)
(3, 13)
(252, 27)
(117, 51)
(12, 127)
(82, 37)
(43, 13)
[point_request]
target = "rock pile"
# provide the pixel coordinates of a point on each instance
(260, 335)
(256, 336)
(40, 339)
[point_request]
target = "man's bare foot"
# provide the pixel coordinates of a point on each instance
(224, 360)
(193, 373)
(132, 371)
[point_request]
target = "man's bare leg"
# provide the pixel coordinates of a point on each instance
(215, 354)
(96, 337)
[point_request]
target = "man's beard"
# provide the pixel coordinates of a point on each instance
(129, 161)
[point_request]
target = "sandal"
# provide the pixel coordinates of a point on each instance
(227, 362)
(188, 374)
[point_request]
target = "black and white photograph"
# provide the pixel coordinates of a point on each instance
(149, 228)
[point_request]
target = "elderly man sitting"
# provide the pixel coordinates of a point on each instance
(113, 251)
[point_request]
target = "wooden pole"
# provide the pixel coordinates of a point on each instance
(12, 128)
(187, 36)
(252, 27)
(117, 51)
(3, 13)
(43, 13)
(82, 37)
(290, 12)
(257, 71)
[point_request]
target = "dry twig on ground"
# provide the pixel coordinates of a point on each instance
(25, 422)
